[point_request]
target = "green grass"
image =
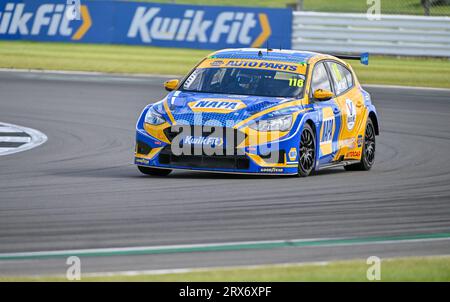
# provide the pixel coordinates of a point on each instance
(402, 269)
(354, 6)
(102, 58)
(406, 71)
(428, 72)
(387, 7)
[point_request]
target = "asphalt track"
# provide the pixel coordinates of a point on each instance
(80, 190)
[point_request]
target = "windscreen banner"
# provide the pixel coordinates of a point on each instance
(142, 23)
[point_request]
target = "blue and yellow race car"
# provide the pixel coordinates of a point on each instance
(260, 111)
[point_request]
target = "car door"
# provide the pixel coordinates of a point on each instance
(329, 113)
(350, 102)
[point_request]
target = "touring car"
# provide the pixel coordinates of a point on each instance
(260, 111)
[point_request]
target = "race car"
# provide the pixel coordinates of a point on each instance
(260, 111)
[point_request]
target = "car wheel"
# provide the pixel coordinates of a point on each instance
(307, 160)
(154, 171)
(368, 152)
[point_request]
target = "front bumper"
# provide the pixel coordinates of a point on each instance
(275, 158)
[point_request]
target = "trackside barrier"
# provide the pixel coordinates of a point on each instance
(140, 23)
(391, 35)
(216, 27)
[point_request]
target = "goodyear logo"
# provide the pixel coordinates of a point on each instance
(271, 170)
(139, 160)
(234, 27)
(47, 19)
(216, 105)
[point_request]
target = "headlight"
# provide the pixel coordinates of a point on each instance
(153, 118)
(282, 123)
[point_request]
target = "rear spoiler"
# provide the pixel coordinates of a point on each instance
(363, 58)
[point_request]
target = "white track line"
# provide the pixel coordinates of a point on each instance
(36, 138)
(202, 247)
(4, 150)
(91, 73)
(6, 129)
(14, 139)
(142, 248)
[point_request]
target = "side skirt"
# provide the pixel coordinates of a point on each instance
(338, 164)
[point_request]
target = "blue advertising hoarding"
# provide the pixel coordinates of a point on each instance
(139, 23)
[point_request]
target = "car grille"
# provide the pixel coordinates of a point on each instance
(235, 162)
(238, 136)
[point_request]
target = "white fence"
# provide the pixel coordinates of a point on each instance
(392, 35)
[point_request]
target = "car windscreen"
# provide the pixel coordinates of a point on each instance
(245, 81)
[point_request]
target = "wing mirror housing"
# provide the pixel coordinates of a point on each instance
(323, 95)
(171, 84)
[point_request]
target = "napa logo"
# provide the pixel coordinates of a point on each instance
(327, 131)
(292, 154)
(71, 20)
(216, 105)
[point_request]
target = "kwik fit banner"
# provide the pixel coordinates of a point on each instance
(139, 23)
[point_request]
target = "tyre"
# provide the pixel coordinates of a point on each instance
(307, 160)
(368, 152)
(154, 171)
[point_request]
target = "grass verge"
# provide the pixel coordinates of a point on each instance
(427, 72)
(412, 7)
(401, 269)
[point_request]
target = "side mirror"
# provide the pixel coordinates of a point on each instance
(171, 84)
(322, 95)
